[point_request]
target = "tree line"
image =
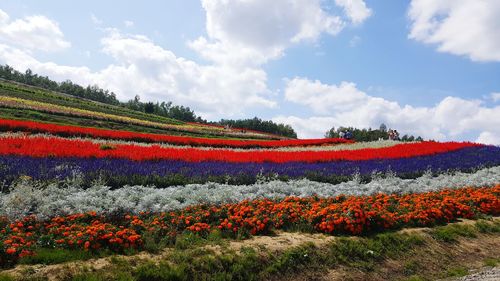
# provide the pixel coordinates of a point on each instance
(165, 109)
(369, 134)
(258, 124)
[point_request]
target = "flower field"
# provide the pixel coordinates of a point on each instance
(75, 131)
(94, 190)
(27, 104)
(341, 215)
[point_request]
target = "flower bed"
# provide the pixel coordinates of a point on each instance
(18, 103)
(68, 197)
(162, 173)
(59, 147)
(335, 215)
(63, 130)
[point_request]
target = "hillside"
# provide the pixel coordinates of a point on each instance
(96, 191)
(24, 102)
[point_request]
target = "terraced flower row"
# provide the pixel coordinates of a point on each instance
(76, 131)
(336, 215)
(71, 196)
(162, 173)
(60, 147)
(18, 103)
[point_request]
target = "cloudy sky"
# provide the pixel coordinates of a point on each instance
(426, 67)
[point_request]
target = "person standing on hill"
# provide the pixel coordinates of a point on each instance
(341, 134)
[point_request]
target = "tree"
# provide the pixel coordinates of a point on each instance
(149, 107)
(260, 125)
(362, 135)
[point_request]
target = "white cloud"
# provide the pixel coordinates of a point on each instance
(355, 41)
(495, 97)
(345, 105)
(460, 27)
(242, 36)
(356, 10)
(489, 138)
(95, 20)
(4, 17)
(128, 23)
(251, 32)
(144, 68)
(32, 32)
(324, 98)
(310, 127)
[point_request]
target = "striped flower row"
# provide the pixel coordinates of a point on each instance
(162, 173)
(30, 198)
(334, 215)
(77, 131)
(59, 147)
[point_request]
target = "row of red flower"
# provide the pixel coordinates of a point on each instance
(338, 215)
(60, 147)
(64, 130)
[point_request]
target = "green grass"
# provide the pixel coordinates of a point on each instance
(364, 253)
(5, 277)
(457, 271)
(204, 264)
(55, 256)
(411, 268)
(485, 226)
(492, 262)
(294, 260)
(115, 276)
(414, 278)
(451, 232)
(163, 271)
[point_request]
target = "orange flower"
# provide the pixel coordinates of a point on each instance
(11, 251)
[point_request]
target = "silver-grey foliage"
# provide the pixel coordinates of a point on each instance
(26, 197)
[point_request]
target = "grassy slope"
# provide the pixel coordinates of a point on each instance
(412, 254)
(12, 89)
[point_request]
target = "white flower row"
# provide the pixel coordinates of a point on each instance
(27, 198)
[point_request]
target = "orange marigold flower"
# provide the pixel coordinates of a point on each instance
(11, 251)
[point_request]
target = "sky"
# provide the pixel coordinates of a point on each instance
(425, 67)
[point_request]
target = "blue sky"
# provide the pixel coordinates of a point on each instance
(413, 65)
